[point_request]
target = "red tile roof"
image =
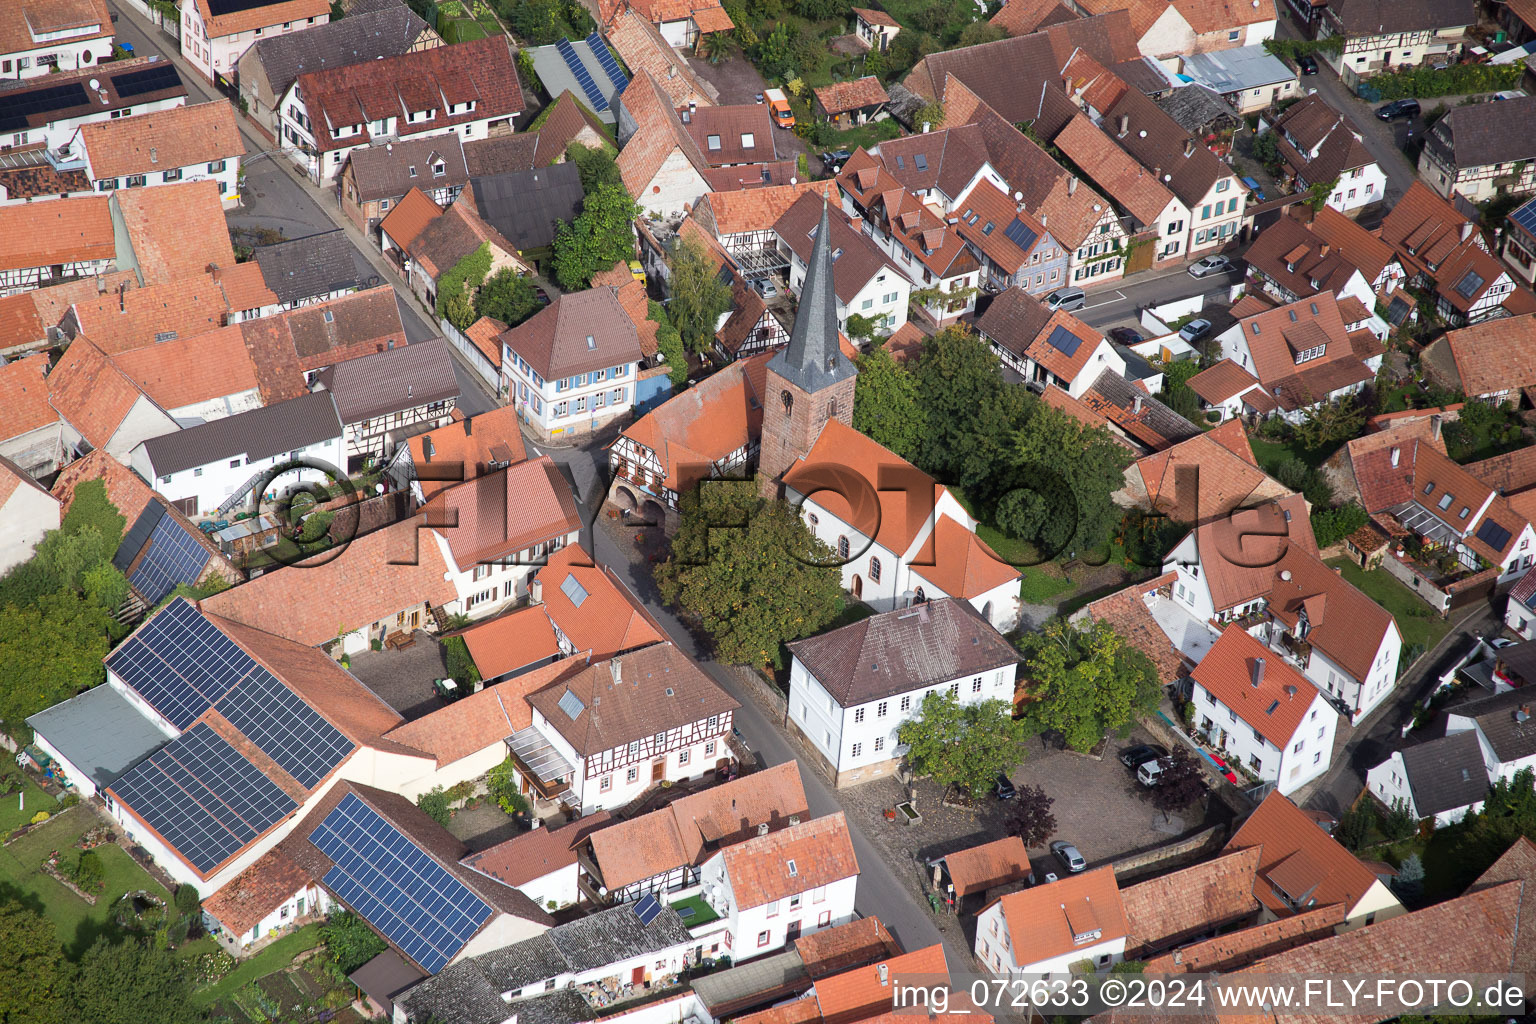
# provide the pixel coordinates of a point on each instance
(1041, 350)
(61, 231)
(881, 513)
(24, 396)
(1423, 229)
(1225, 380)
(979, 868)
(257, 891)
(1126, 612)
(1194, 901)
(1496, 355)
(730, 213)
(512, 642)
(963, 565)
(833, 950)
(466, 448)
(532, 855)
(610, 619)
(1239, 552)
(1346, 625)
(409, 217)
(91, 394)
(197, 133)
(1277, 707)
(856, 995)
(854, 94)
(178, 231)
(153, 315)
(1042, 921)
(646, 53)
(260, 16)
(1114, 170)
(505, 512)
(692, 431)
(192, 370)
(1208, 476)
(1290, 840)
(482, 720)
(1242, 947)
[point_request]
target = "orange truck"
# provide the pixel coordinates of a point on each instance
(778, 107)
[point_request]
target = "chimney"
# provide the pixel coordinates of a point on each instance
(1043, 216)
(1136, 406)
(762, 829)
(885, 973)
(616, 670)
(794, 819)
(1397, 453)
(1072, 185)
(1189, 148)
(410, 391)
(1258, 672)
(1157, 173)
(1322, 250)
(469, 425)
(1125, 125)
(154, 155)
(1434, 427)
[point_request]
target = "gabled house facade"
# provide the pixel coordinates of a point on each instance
(1383, 34)
(865, 280)
(42, 38)
(1047, 931)
(214, 37)
(852, 689)
(1482, 150)
(1319, 147)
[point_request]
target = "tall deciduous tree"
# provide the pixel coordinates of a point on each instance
(698, 295)
(1030, 817)
(885, 404)
(132, 983)
(1181, 783)
(596, 166)
(750, 570)
(963, 745)
(670, 344)
(600, 237)
(1331, 423)
(34, 977)
(1085, 683)
(507, 296)
(971, 411)
(1072, 469)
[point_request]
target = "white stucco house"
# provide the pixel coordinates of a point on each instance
(27, 512)
(1444, 779)
(850, 690)
(775, 888)
(1048, 930)
(216, 33)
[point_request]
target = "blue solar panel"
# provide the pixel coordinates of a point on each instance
(1064, 341)
(1526, 216)
(1492, 534)
(1020, 234)
(648, 909)
(174, 557)
(395, 886)
(180, 663)
(286, 729)
(595, 96)
(203, 797)
(133, 540)
(600, 50)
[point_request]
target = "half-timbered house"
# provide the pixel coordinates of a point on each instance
(604, 736)
(391, 395)
(55, 241)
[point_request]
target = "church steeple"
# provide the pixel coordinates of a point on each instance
(810, 380)
(813, 360)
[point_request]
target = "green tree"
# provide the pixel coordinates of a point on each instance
(132, 983)
(460, 664)
(929, 114)
(1072, 469)
(90, 507)
(715, 47)
(1320, 192)
(1331, 525)
(602, 235)
(53, 650)
(885, 404)
(349, 941)
(596, 165)
(670, 344)
(34, 976)
(501, 784)
(1331, 424)
(962, 745)
(506, 296)
(978, 32)
(456, 287)
(434, 804)
(971, 411)
(750, 570)
(1085, 682)
(188, 901)
(1266, 150)
(1409, 883)
(699, 297)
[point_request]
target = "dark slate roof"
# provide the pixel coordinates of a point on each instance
(1510, 739)
(259, 434)
(385, 172)
(1195, 108)
(903, 650)
(314, 265)
(1156, 425)
(1446, 773)
(1013, 320)
(1486, 133)
(391, 381)
(386, 32)
(1386, 17)
(813, 360)
(469, 992)
(526, 206)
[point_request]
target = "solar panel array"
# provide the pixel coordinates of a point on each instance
(1064, 341)
(1020, 234)
(573, 590)
(174, 557)
(222, 7)
(1526, 216)
(419, 905)
(1470, 284)
(595, 97)
(151, 79)
(18, 108)
(138, 533)
(203, 798)
(1492, 534)
(286, 729)
(605, 58)
(648, 908)
(180, 663)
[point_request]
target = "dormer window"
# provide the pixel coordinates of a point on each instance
(1429, 488)
(411, 170)
(418, 116)
(380, 127)
(439, 169)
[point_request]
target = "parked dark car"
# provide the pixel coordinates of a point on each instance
(1004, 788)
(1135, 757)
(835, 157)
(1306, 64)
(1398, 108)
(1125, 336)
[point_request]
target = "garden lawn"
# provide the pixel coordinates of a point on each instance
(1271, 453)
(866, 135)
(1042, 587)
(1415, 620)
(959, 14)
(703, 913)
(16, 811)
(274, 958)
(78, 924)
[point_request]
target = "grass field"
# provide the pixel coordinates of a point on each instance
(274, 958)
(78, 924)
(16, 809)
(1415, 620)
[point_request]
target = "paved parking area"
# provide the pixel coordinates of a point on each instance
(738, 82)
(403, 679)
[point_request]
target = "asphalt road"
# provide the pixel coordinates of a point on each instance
(275, 198)
(1108, 306)
(879, 893)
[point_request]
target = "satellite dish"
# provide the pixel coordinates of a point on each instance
(794, 181)
(95, 85)
(1018, 197)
